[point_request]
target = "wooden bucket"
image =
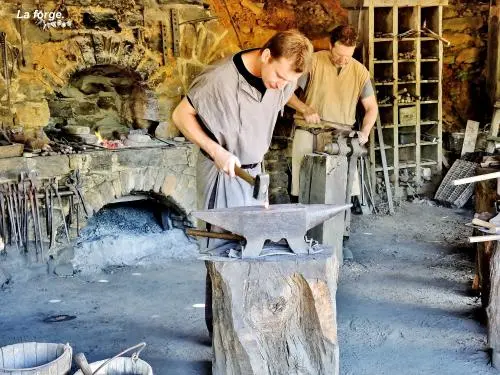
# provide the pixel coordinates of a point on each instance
(121, 365)
(34, 358)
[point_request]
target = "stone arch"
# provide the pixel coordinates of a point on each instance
(87, 51)
(161, 183)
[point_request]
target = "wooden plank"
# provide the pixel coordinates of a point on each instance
(390, 3)
(483, 177)
(495, 124)
(470, 137)
(395, 110)
(354, 4)
(418, 55)
(384, 165)
(439, 166)
(490, 237)
(371, 68)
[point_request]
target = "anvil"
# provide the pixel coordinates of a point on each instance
(258, 224)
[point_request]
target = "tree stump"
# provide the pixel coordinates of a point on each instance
(275, 315)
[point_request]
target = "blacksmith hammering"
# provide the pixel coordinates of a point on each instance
(258, 224)
(260, 182)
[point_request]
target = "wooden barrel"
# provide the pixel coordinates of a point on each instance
(35, 358)
(121, 366)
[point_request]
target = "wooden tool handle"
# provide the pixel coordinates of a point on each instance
(241, 173)
(204, 233)
(334, 125)
(81, 361)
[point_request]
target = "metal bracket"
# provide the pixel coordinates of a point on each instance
(174, 22)
(164, 42)
(5, 62)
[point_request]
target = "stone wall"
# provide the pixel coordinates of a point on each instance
(255, 21)
(465, 25)
(464, 22)
(111, 175)
(166, 175)
(123, 35)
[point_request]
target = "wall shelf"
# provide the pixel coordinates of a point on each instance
(413, 63)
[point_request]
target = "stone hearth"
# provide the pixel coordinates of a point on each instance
(108, 176)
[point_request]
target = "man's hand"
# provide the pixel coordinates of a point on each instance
(311, 116)
(362, 137)
(226, 161)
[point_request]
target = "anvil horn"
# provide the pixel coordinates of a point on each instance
(319, 213)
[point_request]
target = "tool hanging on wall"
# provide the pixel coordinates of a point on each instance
(425, 30)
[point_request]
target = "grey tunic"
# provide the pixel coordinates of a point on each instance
(242, 121)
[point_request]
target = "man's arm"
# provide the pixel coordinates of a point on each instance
(184, 118)
(309, 113)
(371, 111)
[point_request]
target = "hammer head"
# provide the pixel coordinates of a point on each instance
(261, 186)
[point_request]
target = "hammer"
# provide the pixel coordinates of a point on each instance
(260, 182)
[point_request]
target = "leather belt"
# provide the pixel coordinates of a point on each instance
(243, 166)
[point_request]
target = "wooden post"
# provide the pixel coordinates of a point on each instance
(493, 310)
(275, 315)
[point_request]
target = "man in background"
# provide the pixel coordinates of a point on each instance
(333, 88)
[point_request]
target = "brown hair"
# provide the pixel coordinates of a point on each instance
(344, 34)
(292, 45)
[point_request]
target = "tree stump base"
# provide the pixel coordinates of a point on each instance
(275, 315)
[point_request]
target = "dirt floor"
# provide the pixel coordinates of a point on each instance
(403, 303)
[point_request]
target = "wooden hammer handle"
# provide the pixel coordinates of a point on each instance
(241, 173)
(204, 233)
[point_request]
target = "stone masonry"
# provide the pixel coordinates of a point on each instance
(110, 175)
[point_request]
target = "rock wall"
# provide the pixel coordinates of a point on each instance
(255, 21)
(123, 36)
(465, 25)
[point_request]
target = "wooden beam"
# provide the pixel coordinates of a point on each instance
(355, 4)
(493, 57)
(482, 177)
(495, 124)
(491, 237)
